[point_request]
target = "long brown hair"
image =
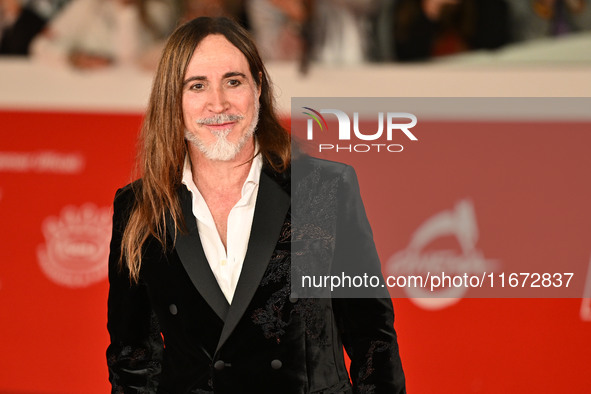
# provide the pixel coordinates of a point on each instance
(162, 146)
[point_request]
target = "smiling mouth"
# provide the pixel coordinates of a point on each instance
(219, 120)
(220, 128)
(219, 125)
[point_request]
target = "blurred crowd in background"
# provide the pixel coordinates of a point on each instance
(91, 34)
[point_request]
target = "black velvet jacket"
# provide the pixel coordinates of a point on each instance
(174, 332)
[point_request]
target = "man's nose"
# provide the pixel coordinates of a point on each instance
(218, 102)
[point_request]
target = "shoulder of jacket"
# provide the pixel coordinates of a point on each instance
(127, 194)
(305, 164)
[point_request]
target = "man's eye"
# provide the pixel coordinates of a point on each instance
(197, 86)
(233, 82)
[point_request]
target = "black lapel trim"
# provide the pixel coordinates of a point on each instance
(190, 251)
(270, 210)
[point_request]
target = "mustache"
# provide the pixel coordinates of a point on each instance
(219, 119)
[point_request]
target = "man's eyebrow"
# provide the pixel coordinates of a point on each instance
(195, 78)
(234, 74)
(229, 74)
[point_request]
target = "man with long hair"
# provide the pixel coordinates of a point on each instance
(200, 298)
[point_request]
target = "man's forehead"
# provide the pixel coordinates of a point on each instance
(215, 50)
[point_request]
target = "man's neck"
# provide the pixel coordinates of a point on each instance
(217, 176)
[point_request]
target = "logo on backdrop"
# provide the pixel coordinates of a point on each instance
(415, 260)
(76, 249)
(42, 162)
(586, 302)
(373, 141)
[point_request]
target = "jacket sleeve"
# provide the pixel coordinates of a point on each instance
(135, 352)
(365, 319)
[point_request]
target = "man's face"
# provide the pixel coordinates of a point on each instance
(220, 99)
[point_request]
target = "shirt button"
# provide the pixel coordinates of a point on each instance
(276, 364)
(219, 365)
(173, 309)
(224, 262)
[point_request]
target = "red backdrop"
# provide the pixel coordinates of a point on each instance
(59, 173)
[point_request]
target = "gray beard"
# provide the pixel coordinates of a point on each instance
(222, 149)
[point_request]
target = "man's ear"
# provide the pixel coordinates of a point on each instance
(260, 84)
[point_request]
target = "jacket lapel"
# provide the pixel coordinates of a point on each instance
(270, 210)
(190, 251)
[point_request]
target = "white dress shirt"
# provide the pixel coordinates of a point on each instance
(226, 265)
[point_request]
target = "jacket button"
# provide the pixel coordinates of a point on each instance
(173, 309)
(276, 364)
(219, 365)
(293, 298)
